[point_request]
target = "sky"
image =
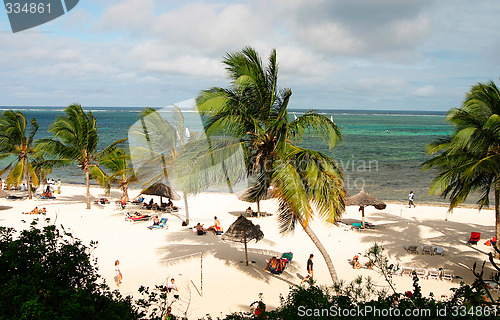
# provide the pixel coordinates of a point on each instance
(355, 54)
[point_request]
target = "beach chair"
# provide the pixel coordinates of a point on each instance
(161, 225)
(438, 251)
(395, 271)
(434, 274)
(356, 226)
(427, 250)
(411, 249)
(492, 285)
(421, 273)
(448, 274)
(405, 271)
(474, 238)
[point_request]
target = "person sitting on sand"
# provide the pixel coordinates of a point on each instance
(249, 212)
(216, 227)
(169, 315)
(355, 262)
(156, 221)
(199, 229)
(170, 204)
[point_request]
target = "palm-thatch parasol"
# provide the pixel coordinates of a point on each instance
(251, 195)
(162, 190)
(363, 199)
(243, 230)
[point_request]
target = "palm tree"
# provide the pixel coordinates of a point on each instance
(76, 139)
(16, 138)
(118, 164)
(254, 111)
(155, 146)
(469, 159)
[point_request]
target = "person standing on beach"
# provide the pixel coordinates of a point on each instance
(411, 198)
(59, 186)
(118, 273)
(310, 272)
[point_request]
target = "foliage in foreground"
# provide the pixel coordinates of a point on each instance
(361, 300)
(47, 274)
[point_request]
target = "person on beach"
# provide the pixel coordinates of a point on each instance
(199, 229)
(1, 184)
(58, 186)
(169, 315)
(411, 198)
(118, 273)
(156, 221)
(355, 262)
(310, 272)
(216, 227)
(172, 286)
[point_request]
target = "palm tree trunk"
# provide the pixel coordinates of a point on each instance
(87, 183)
(497, 213)
(186, 206)
(363, 217)
(28, 180)
(322, 250)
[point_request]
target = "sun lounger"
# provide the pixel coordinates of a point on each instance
(411, 249)
(448, 274)
(434, 274)
(405, 271)
(438, 250)
(421, 273)
(474, 238)
(427, 250)
(161, 225)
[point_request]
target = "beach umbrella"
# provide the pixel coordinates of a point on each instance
(250, 195)
(363, 200)
(243, 230)
(161, 190)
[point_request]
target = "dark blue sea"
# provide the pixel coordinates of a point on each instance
(381, 150)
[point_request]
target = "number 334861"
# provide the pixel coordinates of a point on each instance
(16, 7)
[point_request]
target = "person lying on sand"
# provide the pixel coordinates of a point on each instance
(36, 211)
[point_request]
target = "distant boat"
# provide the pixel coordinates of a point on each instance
(187, 134)
(294, 117)
(331, 118)
(387, 131)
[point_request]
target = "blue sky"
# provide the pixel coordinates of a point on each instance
(357, 54)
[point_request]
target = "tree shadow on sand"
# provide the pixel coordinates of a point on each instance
(185, 242)
(452, 236)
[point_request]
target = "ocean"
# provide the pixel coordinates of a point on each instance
(382, 151)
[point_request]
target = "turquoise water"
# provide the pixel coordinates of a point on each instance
(388, 165)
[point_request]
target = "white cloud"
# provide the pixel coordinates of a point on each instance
(425, 91)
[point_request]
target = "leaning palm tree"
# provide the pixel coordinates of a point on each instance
(254, 112)
(469, 159)
(75, 139)
(16, 138)
(114, 168)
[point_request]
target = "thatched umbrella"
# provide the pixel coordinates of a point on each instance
(161, 190)
(363, 200)
(250, 195)
(243, 230)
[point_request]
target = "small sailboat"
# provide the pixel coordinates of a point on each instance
(331, 118)
(294, 117)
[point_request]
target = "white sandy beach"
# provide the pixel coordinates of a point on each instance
(146, 256)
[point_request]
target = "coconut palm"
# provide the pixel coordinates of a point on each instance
(16, 138)
(253, 110)
(469, 159)
(75, 139)
(155, 145)
(114, 168)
